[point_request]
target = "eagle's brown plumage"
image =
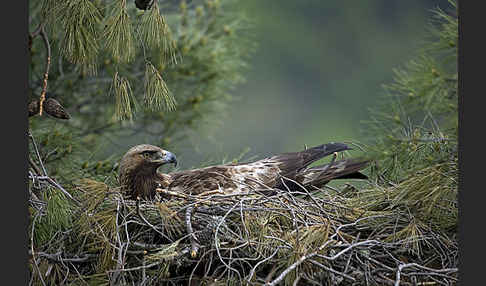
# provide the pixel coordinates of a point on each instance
(138, 170)
(139, 175)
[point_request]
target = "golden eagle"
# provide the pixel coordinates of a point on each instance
(139, 177)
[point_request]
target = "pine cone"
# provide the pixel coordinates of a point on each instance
(50, 106)
(33, 107)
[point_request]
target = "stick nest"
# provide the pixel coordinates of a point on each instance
(334, 236)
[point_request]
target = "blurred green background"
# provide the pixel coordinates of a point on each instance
(318, 68)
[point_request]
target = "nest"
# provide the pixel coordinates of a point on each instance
(266, 237)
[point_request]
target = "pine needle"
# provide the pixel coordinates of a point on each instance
(157, 94)
(166, 252)
(80, 19)
(156, 33)
(57, 216)
(125, 104)
(119, 34)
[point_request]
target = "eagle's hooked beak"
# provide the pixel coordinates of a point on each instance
(168, 157)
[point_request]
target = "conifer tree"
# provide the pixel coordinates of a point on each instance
(118, 71)
(415, 129)
(118, 68)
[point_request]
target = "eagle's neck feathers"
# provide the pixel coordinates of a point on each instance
(140, 181)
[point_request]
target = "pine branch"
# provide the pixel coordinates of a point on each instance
(119, 34)
(80, 20)
(157, 35)
(157, 95)
(125, 104)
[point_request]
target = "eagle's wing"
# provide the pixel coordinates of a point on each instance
(225, 178)
(261, 174)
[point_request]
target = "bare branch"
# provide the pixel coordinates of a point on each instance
(46, 73)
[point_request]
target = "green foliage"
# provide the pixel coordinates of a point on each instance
(67, 157)
(414, 135)
(447, 33)
(156, 34)
(416, 125)
(52, 220)
(156, 92)
(125, 101)
(160, 74)
(80, 20)
(118, 33)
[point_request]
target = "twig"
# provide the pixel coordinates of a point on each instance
(46, 73)
(216, 239)
(147, 246)
(310, 255)
(147, 222)
(32, 249)
(402, 266)
(34, 166)
(119, 261)
(57, 257)
(197, 264)
(55, 184)
(252, 272)
(183, 252)
(190, 232)
(331, 270)
(37, 153)
(171, 193)
(139, 267)
(295, 264)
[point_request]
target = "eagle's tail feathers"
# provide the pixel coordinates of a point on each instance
(343, 169)
(316, 153)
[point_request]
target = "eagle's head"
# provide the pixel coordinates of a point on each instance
(138, 169)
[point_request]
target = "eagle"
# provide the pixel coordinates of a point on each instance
(139, 176)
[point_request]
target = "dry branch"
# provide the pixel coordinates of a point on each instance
(302, 236)
(259, 237)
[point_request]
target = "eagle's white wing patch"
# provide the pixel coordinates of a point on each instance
(255, 175)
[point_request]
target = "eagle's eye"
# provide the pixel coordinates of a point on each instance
(147, 155)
